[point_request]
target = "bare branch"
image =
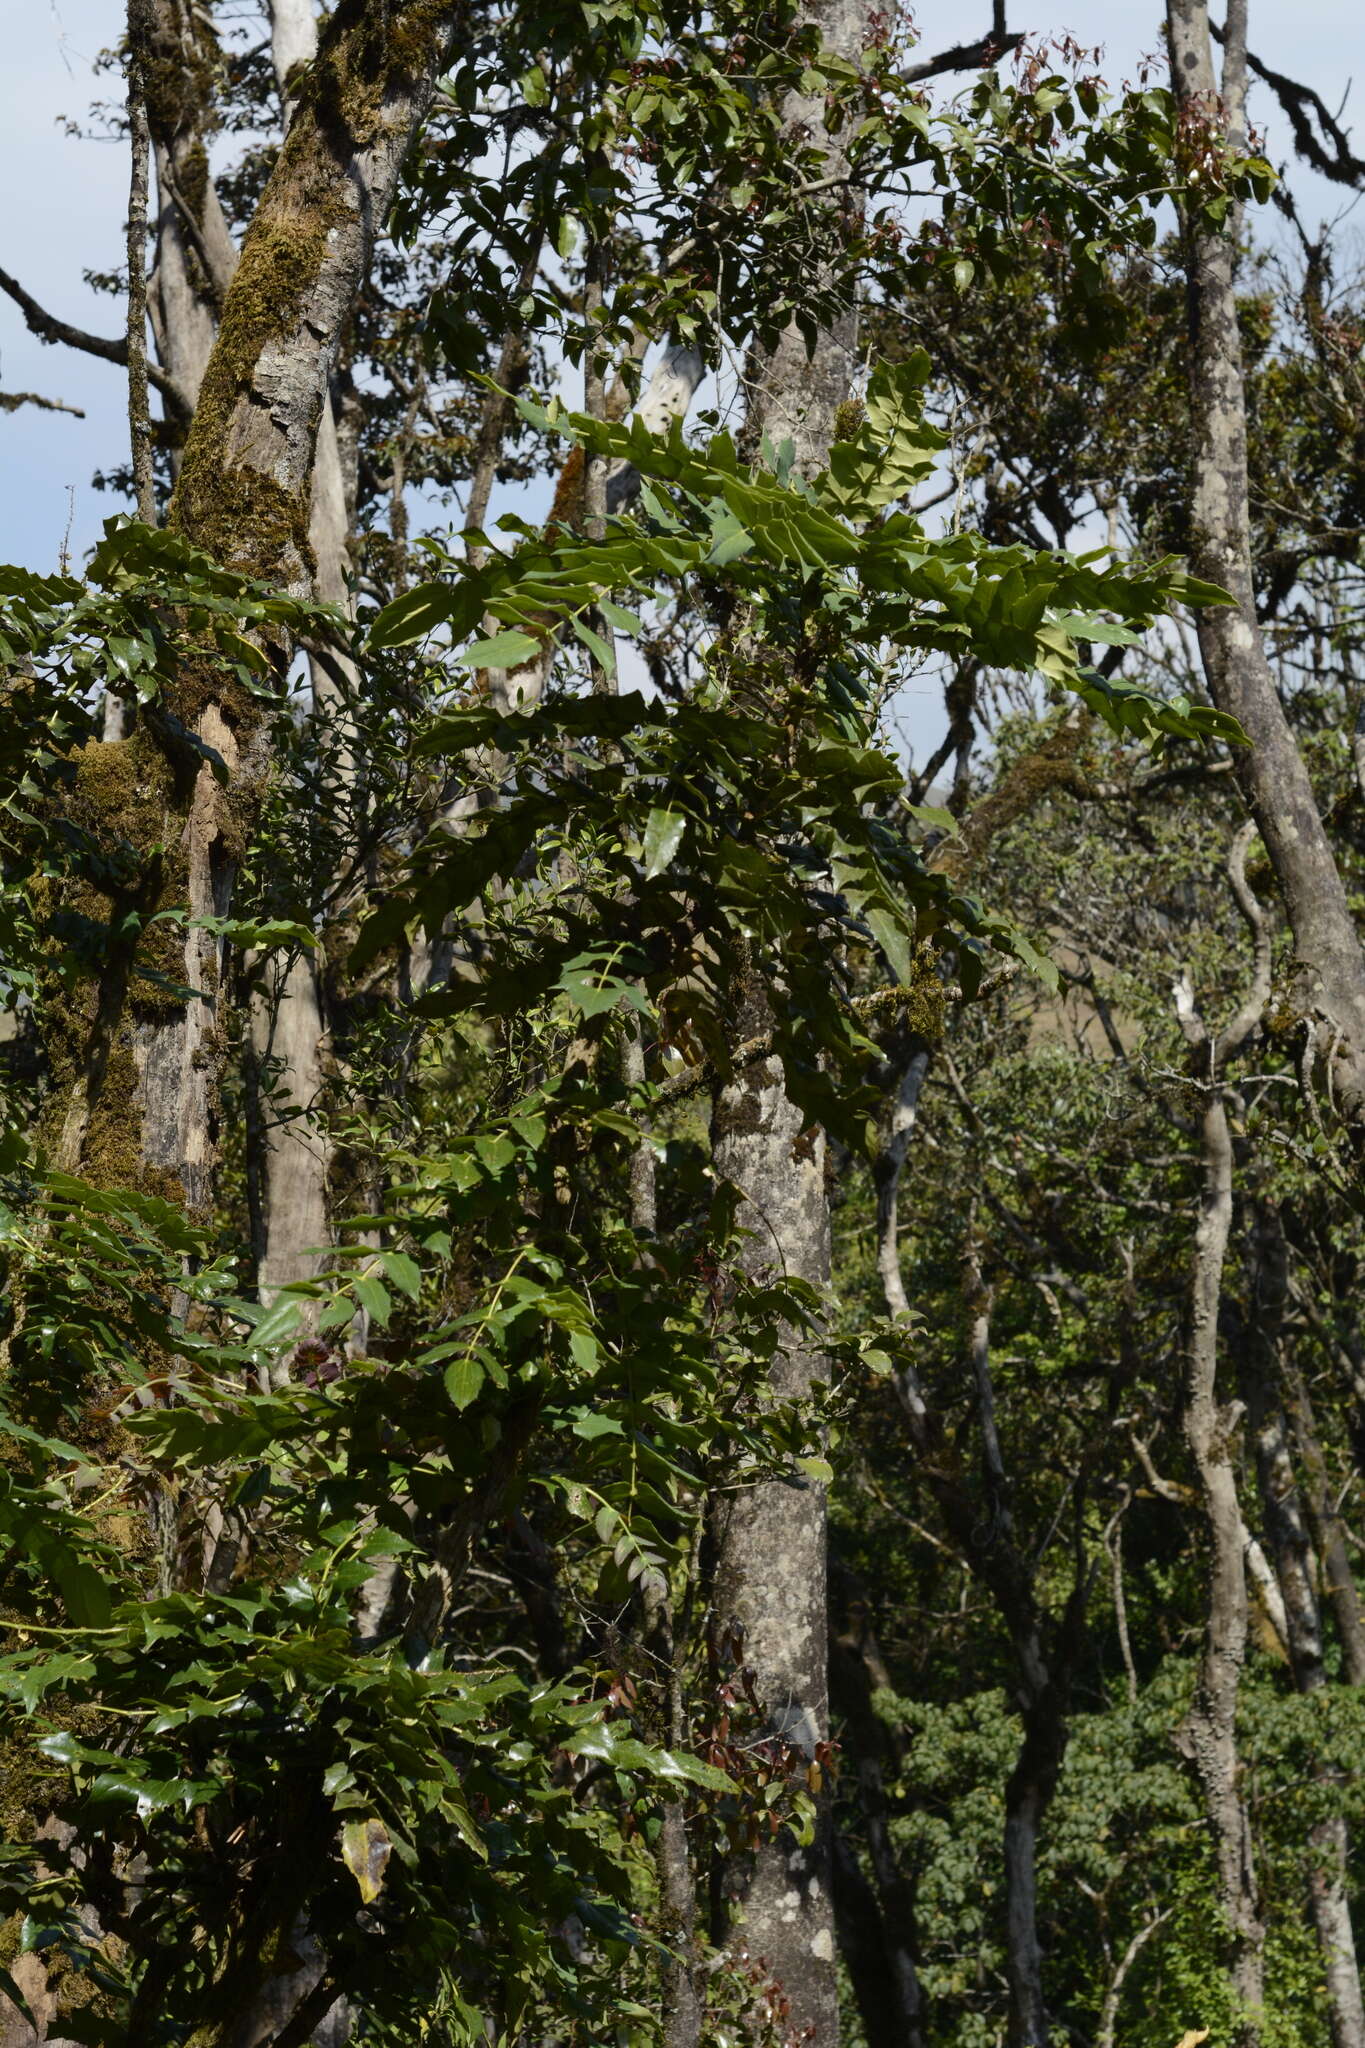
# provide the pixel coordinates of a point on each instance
(1109, 2016)
(1338, 162)
(10, 401)
(976, 56)
(49, 328)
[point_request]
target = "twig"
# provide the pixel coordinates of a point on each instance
(1109, 2015)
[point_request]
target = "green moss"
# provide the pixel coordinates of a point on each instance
(180, 79)
(126, 807)
(194, 179)
(241, 515)
(28, 1784)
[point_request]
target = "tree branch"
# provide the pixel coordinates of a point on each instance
(49, 328)
(1339, 164)
(10, 401)
(968, 56)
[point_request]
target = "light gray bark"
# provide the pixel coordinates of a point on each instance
(195, 253)
(290, 1041)
(671, 388)
(293, 46)
(291, 1029)
(245, 485)
(1208, 1735)
(139, 418)
(770, 1577)
(898, 1128)
(1329, 962)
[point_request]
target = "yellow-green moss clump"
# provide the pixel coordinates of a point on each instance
(124, 804)
(243, 516)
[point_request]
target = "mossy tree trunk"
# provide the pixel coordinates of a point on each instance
(291, 1026)
(195, 252)
(245, 495)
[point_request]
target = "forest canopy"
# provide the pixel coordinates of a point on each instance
(679, 1366)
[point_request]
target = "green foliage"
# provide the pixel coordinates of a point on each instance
(333, 1618)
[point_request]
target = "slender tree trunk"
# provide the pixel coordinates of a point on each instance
(899, 1114)
(1329, 962)
(875, 1920)
(1209, 1734)
(139, 417)
(291, 1029)
(1044, 1684)
(1329, 1538)
(770, 1577)
(1296, 1566)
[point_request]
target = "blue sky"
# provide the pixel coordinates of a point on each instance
(66, 200)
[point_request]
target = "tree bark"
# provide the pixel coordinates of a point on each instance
(293, 1030)
(875, 1919)
(771, 1563)
(195, 253)
(1208, 1735)
(139, 417)
(770, 1574)
(1329, 962)
(1297, 1570)
(244, 494)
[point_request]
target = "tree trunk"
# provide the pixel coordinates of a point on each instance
(1208, 1736)
(770, 1578)
(292, 1031)
(1329, 963)
(1296, 1568)
(244, 495)
(875, 1919)
(195, 253)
